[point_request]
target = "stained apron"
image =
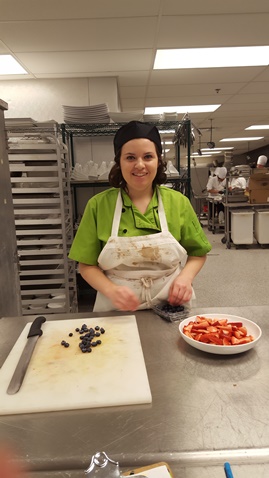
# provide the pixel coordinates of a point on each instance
(146, 264)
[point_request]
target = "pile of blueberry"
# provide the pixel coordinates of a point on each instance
(172, 309)
(87, 338)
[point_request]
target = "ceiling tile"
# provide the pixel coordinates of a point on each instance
(51, 9)
(209, 7)
(86, 62)
(213, 30)
(98, 34)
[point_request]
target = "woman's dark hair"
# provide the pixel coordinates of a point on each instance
(116, 179)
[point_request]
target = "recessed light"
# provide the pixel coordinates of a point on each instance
(218, 149)
(181, 109)
(10, 66)
(258, 126)
(251, 138)
(211, 57)
(196, 155)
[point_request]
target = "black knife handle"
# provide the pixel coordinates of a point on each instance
(36, 327)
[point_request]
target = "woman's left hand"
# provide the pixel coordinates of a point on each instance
(180, 291)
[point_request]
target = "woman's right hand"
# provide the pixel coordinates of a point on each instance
(124, 298)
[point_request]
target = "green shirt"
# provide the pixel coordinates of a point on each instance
(96, 224)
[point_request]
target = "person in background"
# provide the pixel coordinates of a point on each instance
(215, 188)
(261, 164)
(261, 161)
(236, 181)
(139, 243)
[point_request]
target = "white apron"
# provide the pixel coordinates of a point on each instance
(146, 264)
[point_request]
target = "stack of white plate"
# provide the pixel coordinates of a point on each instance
(153, 118)
(170, 116)
(20, 123)
(86, 114)
(57, 302)
(77, 175)
(121, 117)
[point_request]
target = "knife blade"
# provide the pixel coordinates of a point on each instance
(18, 376)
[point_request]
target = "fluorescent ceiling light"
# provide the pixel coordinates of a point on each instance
(219, 149)
(258, 126)
(251, 138)
(211, 57)
(166, 150)
(10, 66)
(203, 155)
(181, 109)
(212, 151)
(196, 155)
(167, 142)
(166, 131)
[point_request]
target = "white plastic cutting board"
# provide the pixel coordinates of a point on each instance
(60, 378)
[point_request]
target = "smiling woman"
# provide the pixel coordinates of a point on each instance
(139, 244)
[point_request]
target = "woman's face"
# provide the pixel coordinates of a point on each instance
(139, 163)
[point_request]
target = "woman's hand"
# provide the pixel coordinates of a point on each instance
(124, 298)
(180, 291)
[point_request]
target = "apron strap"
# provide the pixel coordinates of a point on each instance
(161, 212)
(118, 209)
(146, 286)
(117, 216)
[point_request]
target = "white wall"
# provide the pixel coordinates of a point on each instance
(43, 100)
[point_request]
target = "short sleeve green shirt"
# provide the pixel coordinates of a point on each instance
(96, 224)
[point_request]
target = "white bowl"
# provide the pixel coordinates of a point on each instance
(252, 328)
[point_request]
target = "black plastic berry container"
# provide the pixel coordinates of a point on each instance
(170, 313)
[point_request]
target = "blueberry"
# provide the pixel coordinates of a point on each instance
(97, 327)
(99, 342)
(102, 330)
(70, 335)
(66, 344)
(63, 342)
(97, 334)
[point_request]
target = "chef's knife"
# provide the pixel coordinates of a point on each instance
(34, 333)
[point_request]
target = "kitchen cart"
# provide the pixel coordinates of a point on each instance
(237, 206)
(39, 176)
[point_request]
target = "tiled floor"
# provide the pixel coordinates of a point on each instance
(230, 277)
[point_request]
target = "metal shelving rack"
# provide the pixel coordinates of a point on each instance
(39, 172)
(181, 183)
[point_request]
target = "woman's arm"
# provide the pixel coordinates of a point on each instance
(122, 297)
(181, 288)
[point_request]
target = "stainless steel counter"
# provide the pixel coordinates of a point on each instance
(206, 409)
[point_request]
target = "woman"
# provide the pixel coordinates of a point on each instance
(139, 243)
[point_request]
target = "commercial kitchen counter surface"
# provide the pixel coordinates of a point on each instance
(206, 409)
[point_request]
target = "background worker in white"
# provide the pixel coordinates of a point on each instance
(261, 164)
(262, 161)
(236, 181)
(215, 188)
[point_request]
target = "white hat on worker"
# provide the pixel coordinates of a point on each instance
(262, 160)
(222, 172)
